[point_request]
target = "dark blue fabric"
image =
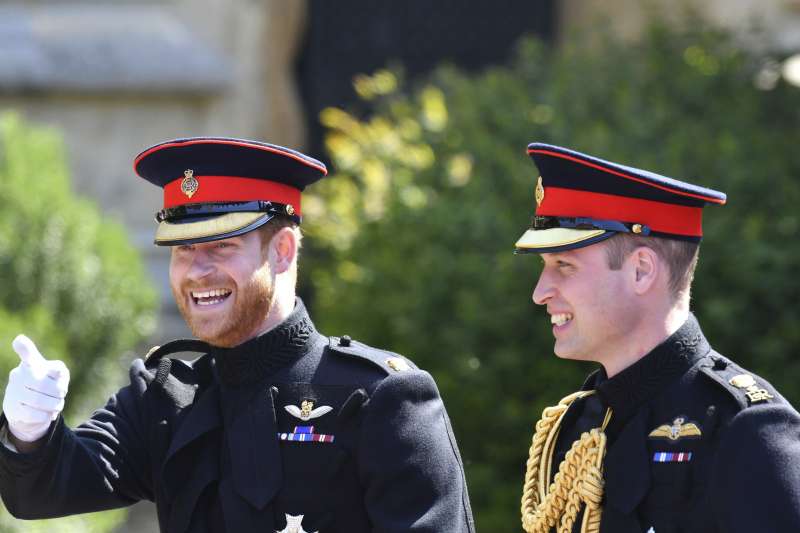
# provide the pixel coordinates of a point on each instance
(575, 173)
(744, 474)
(223, 156)
(204, 444)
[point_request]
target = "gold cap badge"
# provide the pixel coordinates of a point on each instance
(189, 185)
(539, 194)
(289, 209)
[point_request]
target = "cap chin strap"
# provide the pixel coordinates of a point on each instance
(547, 222)
(189, 211)
(579, 479)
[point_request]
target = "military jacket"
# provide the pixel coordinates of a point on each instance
(289, 432)
(695, 444)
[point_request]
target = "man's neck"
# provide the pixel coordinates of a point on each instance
(279, 310)
(651, 332)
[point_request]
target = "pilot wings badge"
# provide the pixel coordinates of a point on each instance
(306, 410)
(294, 524)
(677, 430)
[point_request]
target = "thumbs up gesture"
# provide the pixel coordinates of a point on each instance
(35, 392)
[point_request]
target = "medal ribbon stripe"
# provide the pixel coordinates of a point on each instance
(305, 434)
(672, 457)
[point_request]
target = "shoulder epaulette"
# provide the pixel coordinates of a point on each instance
(387, 361)
(745, 388)
(176, 346)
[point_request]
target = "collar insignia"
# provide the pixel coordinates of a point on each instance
(189, 185)
(754, 393)
(294, 524)
(306, 410)
(539, 194)
(677, 430)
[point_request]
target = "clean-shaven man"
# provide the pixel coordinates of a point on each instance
(668, 435)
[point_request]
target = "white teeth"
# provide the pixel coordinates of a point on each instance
(560, 319)
(209, 302)
(217, 294)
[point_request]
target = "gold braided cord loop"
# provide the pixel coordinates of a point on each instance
(579, 481)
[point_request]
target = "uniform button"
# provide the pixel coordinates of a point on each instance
(345, 340)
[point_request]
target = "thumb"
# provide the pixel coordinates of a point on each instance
(28, 352)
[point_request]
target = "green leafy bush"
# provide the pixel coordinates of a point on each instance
(70, 280)
(411, 240)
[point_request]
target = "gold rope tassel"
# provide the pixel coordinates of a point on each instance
(579, 479)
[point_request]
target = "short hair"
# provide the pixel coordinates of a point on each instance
(679, 256)
(272, 227)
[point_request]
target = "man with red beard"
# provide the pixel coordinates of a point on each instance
(667, 435)
(275, 428)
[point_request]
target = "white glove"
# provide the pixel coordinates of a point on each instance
(35, 392)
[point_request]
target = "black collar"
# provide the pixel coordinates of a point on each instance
(627, 391)
(256, 359)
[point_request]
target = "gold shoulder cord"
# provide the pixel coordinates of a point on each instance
(579, 478)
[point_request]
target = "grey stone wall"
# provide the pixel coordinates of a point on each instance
(116, 78)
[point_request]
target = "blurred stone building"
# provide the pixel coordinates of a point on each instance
(116, 77)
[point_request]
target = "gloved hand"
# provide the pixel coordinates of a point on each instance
(35, 392)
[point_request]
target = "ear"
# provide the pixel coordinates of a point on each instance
(283, 250)
(646, 268)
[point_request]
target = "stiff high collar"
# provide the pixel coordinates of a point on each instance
(257, 358)
(634, 386)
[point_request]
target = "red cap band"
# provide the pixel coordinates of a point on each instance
(213, 189)
(658, 216)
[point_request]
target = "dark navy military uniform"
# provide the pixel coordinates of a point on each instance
(221, 443)
(695, 443)
(738, 472)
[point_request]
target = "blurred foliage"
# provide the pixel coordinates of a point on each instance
(71, 281)
(411, 239)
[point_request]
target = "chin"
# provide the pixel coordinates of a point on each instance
(565, 353)
(208, 331)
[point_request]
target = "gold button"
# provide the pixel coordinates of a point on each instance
(636, 228)
(289, 209)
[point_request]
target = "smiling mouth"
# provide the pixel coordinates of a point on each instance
(560, 319)
(210, 297)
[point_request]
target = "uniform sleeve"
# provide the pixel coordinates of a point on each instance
(409, 461)
(101, 464)
(756, 481)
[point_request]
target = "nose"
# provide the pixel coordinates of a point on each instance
(544, 289)
(201, 267)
